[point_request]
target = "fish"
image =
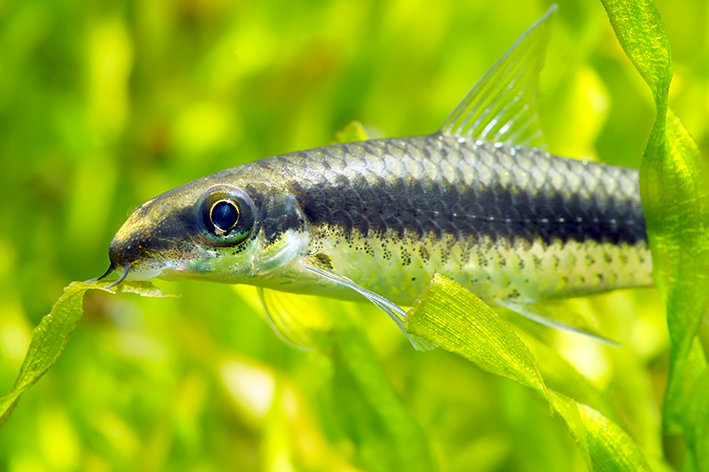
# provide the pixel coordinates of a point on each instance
(480, 201)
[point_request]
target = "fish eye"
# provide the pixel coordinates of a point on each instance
(226, 215)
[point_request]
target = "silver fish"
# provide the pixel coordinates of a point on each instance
(478, 200)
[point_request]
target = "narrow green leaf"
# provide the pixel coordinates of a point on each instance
(462, 323)
(676, 191)
(698, 431)
(605, 446)
(142, 288)
(674, 182)
(560, 375)
(638, 26)
(51, 335)
(456, 320)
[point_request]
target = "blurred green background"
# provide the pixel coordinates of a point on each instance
(105, 104)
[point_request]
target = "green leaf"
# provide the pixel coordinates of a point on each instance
(560, 375)
(638, 26)
(458, 321)
(53, 332)
(674, 182)
(604, 445)
(462, 323)
(697, 434)
(352, 132)
(675, 185)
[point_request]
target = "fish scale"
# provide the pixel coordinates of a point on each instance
(519, 212)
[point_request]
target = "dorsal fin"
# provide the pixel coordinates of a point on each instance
(501, 106)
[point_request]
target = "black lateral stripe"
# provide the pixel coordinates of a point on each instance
(423, 207)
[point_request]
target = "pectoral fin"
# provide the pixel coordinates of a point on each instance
(299, 320)
(391, 309)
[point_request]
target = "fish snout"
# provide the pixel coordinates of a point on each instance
(123, 253)
(128, 250)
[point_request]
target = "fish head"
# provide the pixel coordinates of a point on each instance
(227, 227)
